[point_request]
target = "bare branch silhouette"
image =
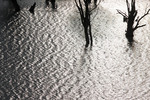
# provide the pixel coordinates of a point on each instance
(139, 19)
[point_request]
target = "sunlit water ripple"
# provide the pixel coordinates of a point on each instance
(42, 56)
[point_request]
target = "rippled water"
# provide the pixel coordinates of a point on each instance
(42, 56)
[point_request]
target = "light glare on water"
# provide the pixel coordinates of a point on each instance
(42, 56)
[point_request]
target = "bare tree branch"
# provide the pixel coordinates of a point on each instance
(125, 17)
(139, 26)
(139, 19)
(128, 7)
(94, 15)
(95, 6)
(122, 13)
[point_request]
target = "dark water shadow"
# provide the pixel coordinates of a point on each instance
(13, 76)
(7, 11)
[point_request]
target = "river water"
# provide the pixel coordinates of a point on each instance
(42, 56)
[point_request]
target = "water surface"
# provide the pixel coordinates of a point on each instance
(42, 56)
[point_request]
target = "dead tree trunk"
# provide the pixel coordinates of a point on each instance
(32, 8)
(95, 2)
(47, 2)
(53, 4)
(131, 20)
(89, 1)
(17, 7)
(85, 14)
